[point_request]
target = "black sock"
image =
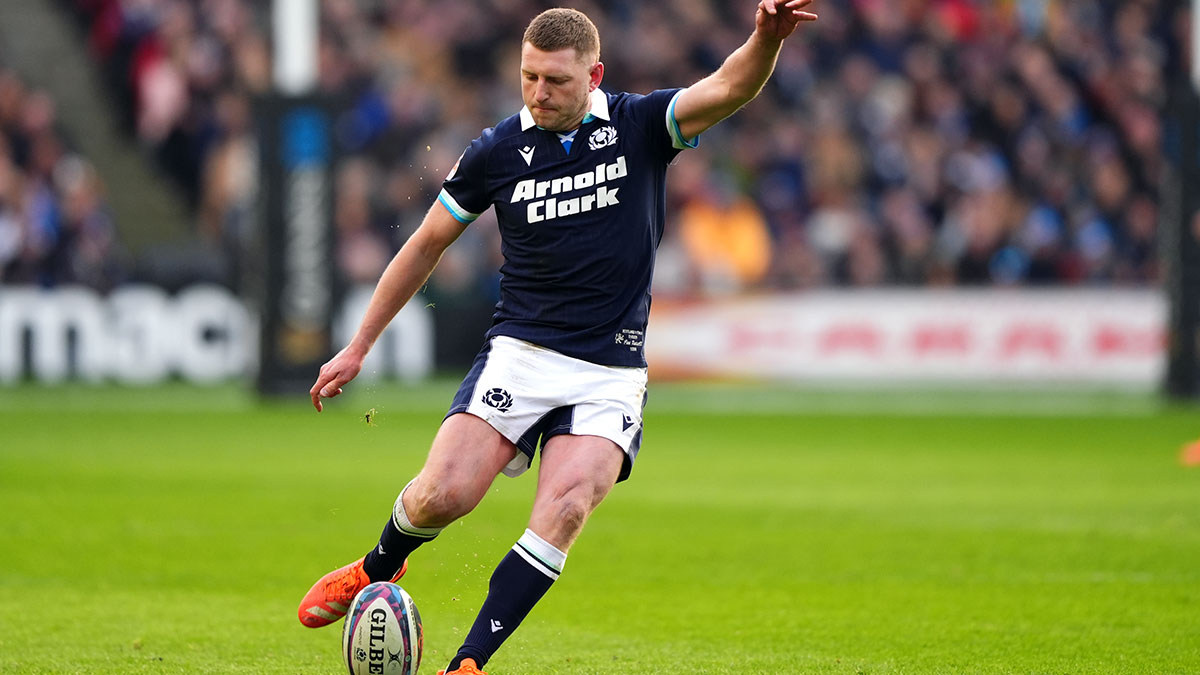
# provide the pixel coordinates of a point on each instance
(388, 556)
(398, 539)
(520, 580)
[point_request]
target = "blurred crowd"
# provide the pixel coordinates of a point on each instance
(911, 142)
(54, 224)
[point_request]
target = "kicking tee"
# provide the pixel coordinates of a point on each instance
(580, 219)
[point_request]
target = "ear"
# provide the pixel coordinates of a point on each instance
(596, 75)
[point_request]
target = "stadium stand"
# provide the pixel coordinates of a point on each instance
(925, 142)
(55, 226)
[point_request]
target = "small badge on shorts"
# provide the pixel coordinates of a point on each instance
(628, 421)
(498, 399)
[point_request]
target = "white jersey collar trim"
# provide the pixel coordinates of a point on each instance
(599, 109)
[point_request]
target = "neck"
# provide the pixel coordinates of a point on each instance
(568, 128)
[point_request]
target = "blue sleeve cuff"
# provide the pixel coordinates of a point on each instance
(460, 214)
(677, 139)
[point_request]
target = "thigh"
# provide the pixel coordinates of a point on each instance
(576, 473)
(466, 456)
(513, 386)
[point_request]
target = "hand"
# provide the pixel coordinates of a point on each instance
(343, 367)
(776, 19)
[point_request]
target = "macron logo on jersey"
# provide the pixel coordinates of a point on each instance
(549, 209)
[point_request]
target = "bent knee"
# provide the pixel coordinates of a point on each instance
(562, 516)
(571, 514)
(436, 505)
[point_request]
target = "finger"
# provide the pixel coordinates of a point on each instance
(333, 386)
(767, 6)
(317, 395)
(794, 8)
(327, 381)
(315, 392)
(328, 391)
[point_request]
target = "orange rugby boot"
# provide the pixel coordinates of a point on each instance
(329, 599)
(467, 667)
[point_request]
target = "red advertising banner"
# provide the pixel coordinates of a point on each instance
(1078, 336)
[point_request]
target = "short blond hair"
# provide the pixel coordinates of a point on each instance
(562, 28)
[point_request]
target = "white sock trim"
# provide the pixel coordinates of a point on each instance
(541, 554)
(402, 523)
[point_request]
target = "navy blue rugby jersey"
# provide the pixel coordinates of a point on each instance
(579, 227)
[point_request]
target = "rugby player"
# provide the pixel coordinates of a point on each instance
(577, 179)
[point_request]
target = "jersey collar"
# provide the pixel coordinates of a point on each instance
(599, 109)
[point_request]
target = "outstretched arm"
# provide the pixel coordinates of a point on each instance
(744, 72)
(409, 269)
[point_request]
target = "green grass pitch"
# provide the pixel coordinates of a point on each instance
(174, 530)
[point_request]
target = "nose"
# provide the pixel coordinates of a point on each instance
(542, 91)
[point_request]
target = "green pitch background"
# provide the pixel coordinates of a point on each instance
(174, 530)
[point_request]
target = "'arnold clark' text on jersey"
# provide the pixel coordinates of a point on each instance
(578, 227)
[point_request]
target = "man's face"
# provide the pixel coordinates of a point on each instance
(556, 86)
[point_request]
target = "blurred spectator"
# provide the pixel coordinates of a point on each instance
(55, 227)
(362, 253)
(723, 232)
(921, 142)
(230, 173)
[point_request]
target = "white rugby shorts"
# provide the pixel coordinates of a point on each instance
(530, 394)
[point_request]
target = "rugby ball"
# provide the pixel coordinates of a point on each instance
(382, 634)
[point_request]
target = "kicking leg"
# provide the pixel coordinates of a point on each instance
(466, 457)
(575, 475)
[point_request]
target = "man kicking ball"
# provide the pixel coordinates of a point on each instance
(577, 179)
